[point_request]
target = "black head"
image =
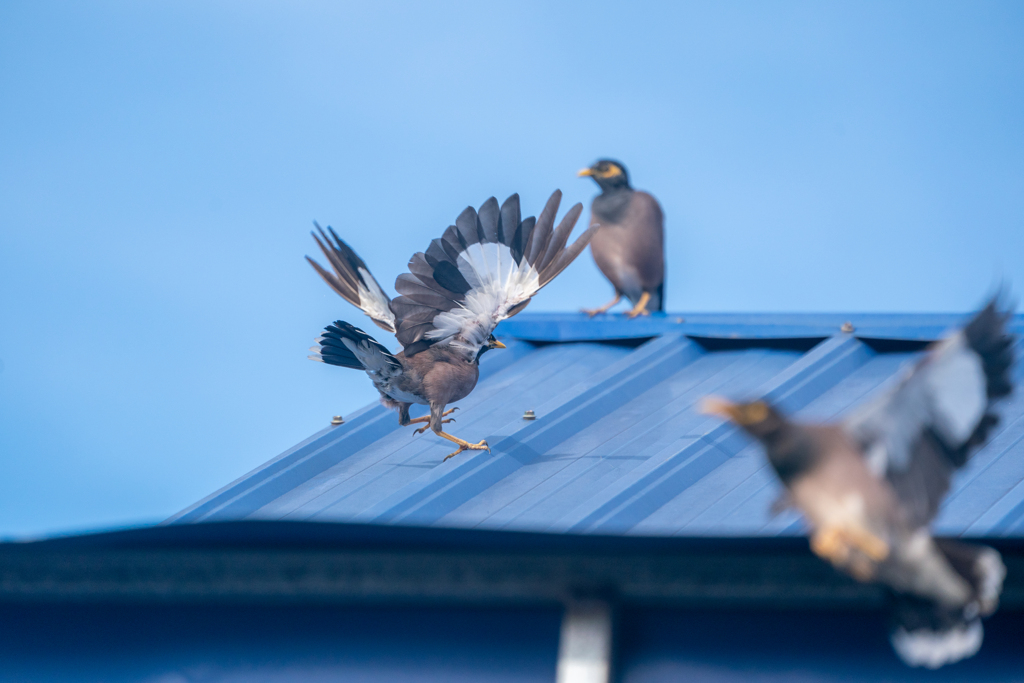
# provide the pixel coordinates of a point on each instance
(789, 449)
(492, 343)
(608, 174)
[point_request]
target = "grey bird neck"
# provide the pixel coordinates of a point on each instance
(610, 205)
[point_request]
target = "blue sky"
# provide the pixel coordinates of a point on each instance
(161, 163)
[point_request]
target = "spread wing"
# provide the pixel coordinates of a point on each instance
(920, 432)
(352, 279)
(484, 269)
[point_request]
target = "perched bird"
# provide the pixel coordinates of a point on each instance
(870, 486)
(483, 270)
(629, 246)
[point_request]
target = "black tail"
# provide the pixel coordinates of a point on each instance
(923, 633)
(333, 350)
(660, 305)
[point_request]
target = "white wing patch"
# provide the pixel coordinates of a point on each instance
(498, 284)
(372, 299)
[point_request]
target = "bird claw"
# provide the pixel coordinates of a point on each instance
(593, 311)
(482, 446)
(420, 430)
(449, 412)
(830, 544)
(836, 543)
(636, 314)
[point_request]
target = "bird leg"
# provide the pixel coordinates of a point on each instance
(641, 306)
(829, 544)
(603, 309)
(426, 418)
(875, 548)
(463, 445)
(834, 543)
(437, 412)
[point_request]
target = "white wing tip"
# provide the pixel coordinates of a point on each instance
(316, 356)
(932, 649)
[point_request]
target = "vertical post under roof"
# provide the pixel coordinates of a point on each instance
(585, 645)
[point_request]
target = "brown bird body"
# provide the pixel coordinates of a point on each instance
(870, 486)
(628, 248)
(435, 377)
(860, 526)
(629, 240)
(484, 269)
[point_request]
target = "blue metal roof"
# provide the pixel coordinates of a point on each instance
(617, 446)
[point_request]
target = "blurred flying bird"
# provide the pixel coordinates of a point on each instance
(628, 246)
(484, 269)
(870, 486)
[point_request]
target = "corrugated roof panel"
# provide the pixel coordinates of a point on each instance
(352, 488)
(618, 445)
(639, 426)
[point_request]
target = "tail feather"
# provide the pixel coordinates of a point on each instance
(981, 566)
(347, 346)
(926, 634)
(933, 648)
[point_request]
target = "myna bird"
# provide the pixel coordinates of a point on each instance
(629, 245)
(483, 270)
(870, 486)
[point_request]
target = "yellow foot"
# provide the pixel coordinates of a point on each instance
(641, 306)
(835, 544)
(426, 418)
(875, 548)
(829, 543)
(466, 446)
(427, 426)
(603, 309)
(862, 568)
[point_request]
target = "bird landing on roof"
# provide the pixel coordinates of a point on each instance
(629, 244)
(484, 269)
(870, 486)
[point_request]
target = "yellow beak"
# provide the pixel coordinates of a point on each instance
(584, 172)
(498, 345)
(715, 405)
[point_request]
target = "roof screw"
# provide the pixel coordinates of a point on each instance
(680, 320)
(847, 327)
(529, 415)
(337, 420)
